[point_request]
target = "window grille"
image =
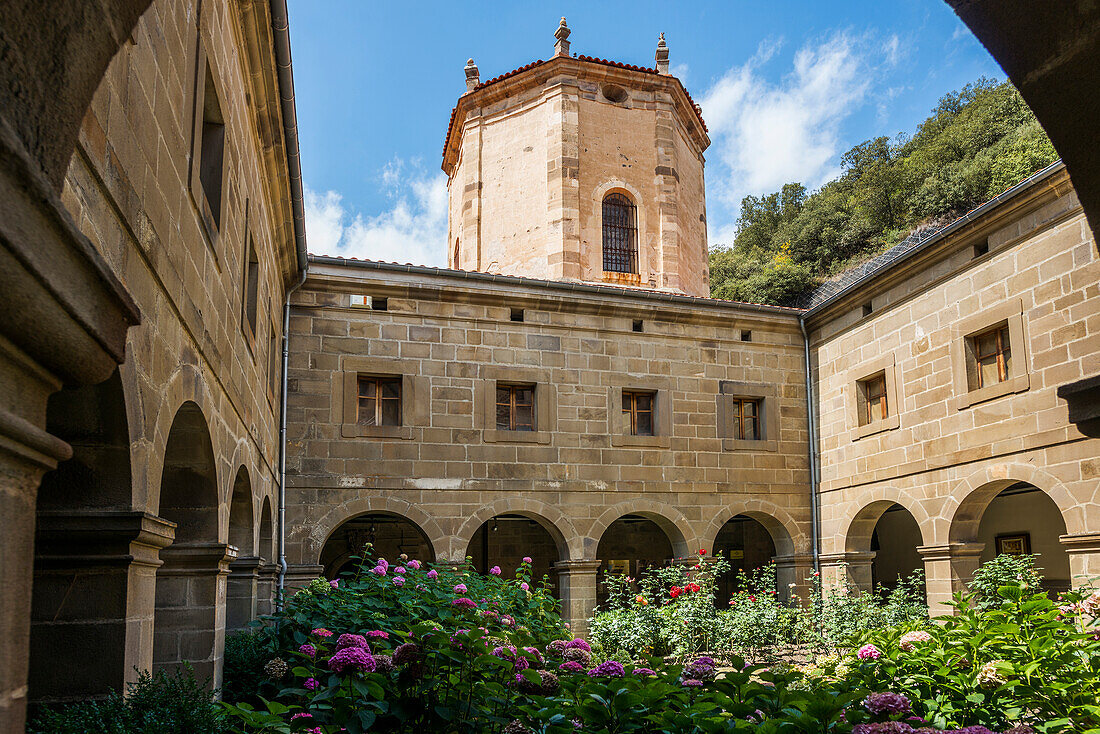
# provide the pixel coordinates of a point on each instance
(620, 234)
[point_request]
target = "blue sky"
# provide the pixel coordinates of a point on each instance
(786, 88)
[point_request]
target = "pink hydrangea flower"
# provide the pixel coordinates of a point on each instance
(400, 570)
(495, 570)
(414, 565)
(349, 640)
(378, 635)
(464, 603)
(433, 573)
(578, 642)
(909, 640)
(321, 632)
(378, 571)
(869, 652)
(524, 586)
(460, 588)
(297, 716)
(383, 563)
(335, 583)
(527, 559)
(351, 659)
(398, 581)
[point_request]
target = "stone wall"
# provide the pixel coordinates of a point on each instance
(948, 450)
(166, 508)
(449, 470)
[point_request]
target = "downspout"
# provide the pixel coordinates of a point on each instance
(282, 442)
(280, 30)
(815, 518)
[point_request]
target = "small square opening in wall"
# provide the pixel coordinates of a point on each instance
(982, 248)
(746, 335)
(868, 309)
(379, 304)
(636, 325)
(517, 314)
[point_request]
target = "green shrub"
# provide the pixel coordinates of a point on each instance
(163, 703)
(1004, 570)
(246, 652)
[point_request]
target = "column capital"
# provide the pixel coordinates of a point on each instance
(68, 539)
(578, 566)
(1081, 542)
(847, 557)
(181, 559)
(246, 565)
(794, 559)
(949, 551)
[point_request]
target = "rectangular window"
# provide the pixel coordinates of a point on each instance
(873, 391)
(250, 297)
(746, 419)
(212, 148)
(992, 358)
(515, 407)
(638, 412)
(273, 355)
(379, 401)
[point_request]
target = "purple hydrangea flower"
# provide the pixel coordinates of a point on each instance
(351, 659)
(578, 643)
(703, 668)
(460, 588)
(406, 653)
(400, 570)
(571, 666)
(527, 559)
(691, 682)
(335, 583)
(378, 635)
(348, 640)
(383, 563)
(887, 704)
(892, 727)
(398, 581)
(433, 573)
(378, 571)
(608, 669)
(464, 603)
(555, 648)
(311, 684)
(308, 649)
(644, 671)
(495, 570)
(414, 565)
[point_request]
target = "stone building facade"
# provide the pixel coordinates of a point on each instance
(158, 489)
(157, 532)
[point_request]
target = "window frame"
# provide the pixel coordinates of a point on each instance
(213, 223)
(379, 382)
(629, 231)
(1009, 313)
(858, 380)
(633, 411)
(513, 406)
(1001, 354)
(619, 429)
(415, 396)
(766, 397)
(545, 403)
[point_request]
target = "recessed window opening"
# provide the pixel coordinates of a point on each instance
(620, 234)
(273, 354)
(637, 325)
(379, 304)
(746, 419)
(614, 93)
(250, 300)
(982, 248)
(517, 314)
(746, 335)
(992, 360)
(379, 401)
(638, 412)
(874, 399)
(515, 407)
(867, 309)
(212, 148)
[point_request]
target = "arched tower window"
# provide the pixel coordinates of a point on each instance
(620, 234)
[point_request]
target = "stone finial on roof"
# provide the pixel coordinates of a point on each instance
(561, 46)
(662, 55)
(472, 76)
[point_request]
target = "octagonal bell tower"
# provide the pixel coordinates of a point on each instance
(579, 169)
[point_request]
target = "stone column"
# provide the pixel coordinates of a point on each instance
(792, 575)
(265, 588)
(1084, 556)
(298, 575)
(94, 580)
(190, 612)
(948, 569)
(577, 581)
(241, 592)
(562, 182)
(848, 569)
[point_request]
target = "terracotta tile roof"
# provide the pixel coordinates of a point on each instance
(626, 290)
(590, 59)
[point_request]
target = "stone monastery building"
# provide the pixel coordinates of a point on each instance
(196, 412)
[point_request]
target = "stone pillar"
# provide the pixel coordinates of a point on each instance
(267, 578)
(1084, 556)
(577, 581)
(792, 575)
(847, 570)
(94, 581)
(563, 182)
(241, 592)
(190, 611)
(298, 575)
(948, 569)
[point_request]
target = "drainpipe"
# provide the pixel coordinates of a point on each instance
(280, 30)
(815, 517)
(282, 442)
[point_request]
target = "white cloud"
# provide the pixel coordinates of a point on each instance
(413, 230)
(680, 71)
(766, 133)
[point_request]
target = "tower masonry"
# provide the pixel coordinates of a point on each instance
(579, 169)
